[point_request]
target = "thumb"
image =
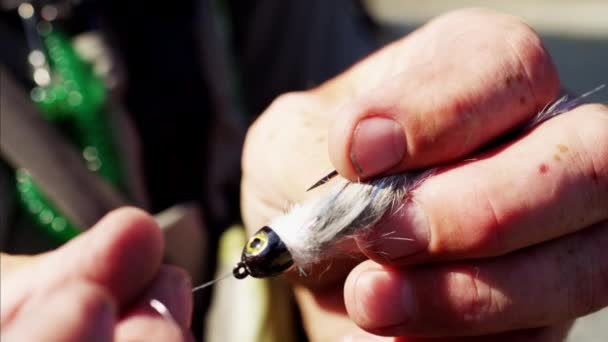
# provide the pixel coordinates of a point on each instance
(121, 254)
(449, 89)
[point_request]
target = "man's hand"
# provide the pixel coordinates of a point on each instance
(510, 243)
(97, 287)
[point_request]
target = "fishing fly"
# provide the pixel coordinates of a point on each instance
(309, 232)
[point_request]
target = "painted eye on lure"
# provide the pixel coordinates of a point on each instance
(264, 255)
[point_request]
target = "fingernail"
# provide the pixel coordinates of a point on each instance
(182, 295)
(378, 144)
(385, 300)
(401, 234)
(173, 289)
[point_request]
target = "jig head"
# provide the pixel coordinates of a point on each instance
(264, 255)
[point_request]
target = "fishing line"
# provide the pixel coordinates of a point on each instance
(209, 283)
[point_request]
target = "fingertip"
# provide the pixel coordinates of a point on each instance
(377, 144)
(379, 300)
(173, 288)
(366, 337)
(138, 228)
(122, 253)
(366, 139)
(134, 221)
(149, 328)
(129, 236)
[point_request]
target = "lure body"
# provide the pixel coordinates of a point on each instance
(311, 231)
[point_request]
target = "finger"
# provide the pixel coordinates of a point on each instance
(172, 288)
(441, 93)
(545, 334)
(141, 328)
(10, 263)
(367, 337)
(322, 309)
(122, 254)
(556, 175)
(77, 311)
(539, 286)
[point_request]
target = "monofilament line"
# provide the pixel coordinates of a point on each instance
(209, 283)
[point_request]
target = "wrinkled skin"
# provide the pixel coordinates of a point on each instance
(97, 287)
(509, 245)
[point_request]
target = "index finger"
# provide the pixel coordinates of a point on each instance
(441, 93)
(121, 254)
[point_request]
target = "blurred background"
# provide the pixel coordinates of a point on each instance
(154, 99)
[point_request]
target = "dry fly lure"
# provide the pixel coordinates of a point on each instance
(311, 230)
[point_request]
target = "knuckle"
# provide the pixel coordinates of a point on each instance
(532, 62)
(257, 136)
(90, 297)
(597, 115)
(267, 121)
(490, 235)
(593, 151)
(584, 278)
(287, 100)
(290, 128)
(476, 301)
(518, 55)
(471, 14)
(486, 238)
(601, 108)
(600, 276)
(503, 32)
(523, 37)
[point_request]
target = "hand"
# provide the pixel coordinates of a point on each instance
(97, 287)
(510, 244)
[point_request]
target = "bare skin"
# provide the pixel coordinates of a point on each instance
(509, 245)
(97, 287)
